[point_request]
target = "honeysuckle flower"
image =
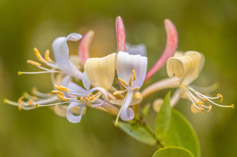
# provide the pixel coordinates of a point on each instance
(131, 71)
(62, 61)
(183, 70)
(76, 96)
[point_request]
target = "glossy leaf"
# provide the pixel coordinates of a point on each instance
(173, 152)
(163, 119)
(138, 132)
(181, 133)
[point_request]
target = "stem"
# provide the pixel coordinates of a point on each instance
(158, 142)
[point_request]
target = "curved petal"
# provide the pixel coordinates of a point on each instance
(136, 49)
(72, 118)
(185, 67)
(171, 45)
(120, 32)
(61, 54)
(126, 112)
(102, 90)
(85, 80)
(84, 46)
(126, 63)
(76, 89)
(100, 71)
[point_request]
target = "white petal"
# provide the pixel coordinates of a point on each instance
(72, 118)
(76, 89)
(86, 81)
(126, 112)
(126, 63)
(136, 49)
(61, 54)
(65, 81)
(102, 90)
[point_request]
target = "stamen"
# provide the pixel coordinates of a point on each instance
(20, 103)
(40, 94)
(135, 89)
(33, 63)
(61, 88)
(47, 58)
(118, 92)
(123, 82)
(37, 72)
(210, 107)
(134, 74)
(38, 55)
(57, 92)
(130, 80)
(29, 102)
(221, 96)
(62, 97)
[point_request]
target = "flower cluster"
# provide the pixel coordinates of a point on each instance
(81, 82)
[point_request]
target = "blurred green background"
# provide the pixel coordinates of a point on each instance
(208, 26)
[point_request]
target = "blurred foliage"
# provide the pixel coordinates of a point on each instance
(208, 26)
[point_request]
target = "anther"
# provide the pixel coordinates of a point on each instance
(123, 82)
(30, 102)
(46, 56)
(61, 88)
(117, 92)
(33, 63)
(130, 80)
(57, 92)
(134, 74)
(5, 101)
(221, 97)
(116, 124)
(204, 100)
(62, 97)
(38, 55)
(232, 106)
(209, 109)
(19, 101)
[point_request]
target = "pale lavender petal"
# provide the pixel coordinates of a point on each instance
(102, 90)
(136, 49)
(86, 81)
(71, 117)
(171, 45)
(65, 81)
(126, 63)
(120, 31)
(61, 54)
(84, 46)
(127, 113)
(76, 89)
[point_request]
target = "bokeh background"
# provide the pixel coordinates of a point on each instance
(208, 26)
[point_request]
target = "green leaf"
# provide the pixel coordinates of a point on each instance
(181, 133)
(163, 119)
(173, 152)
(139, 132)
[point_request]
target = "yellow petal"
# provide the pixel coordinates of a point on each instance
(100, 71)
(185, 67)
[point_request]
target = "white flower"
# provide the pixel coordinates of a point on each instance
(131, 71)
